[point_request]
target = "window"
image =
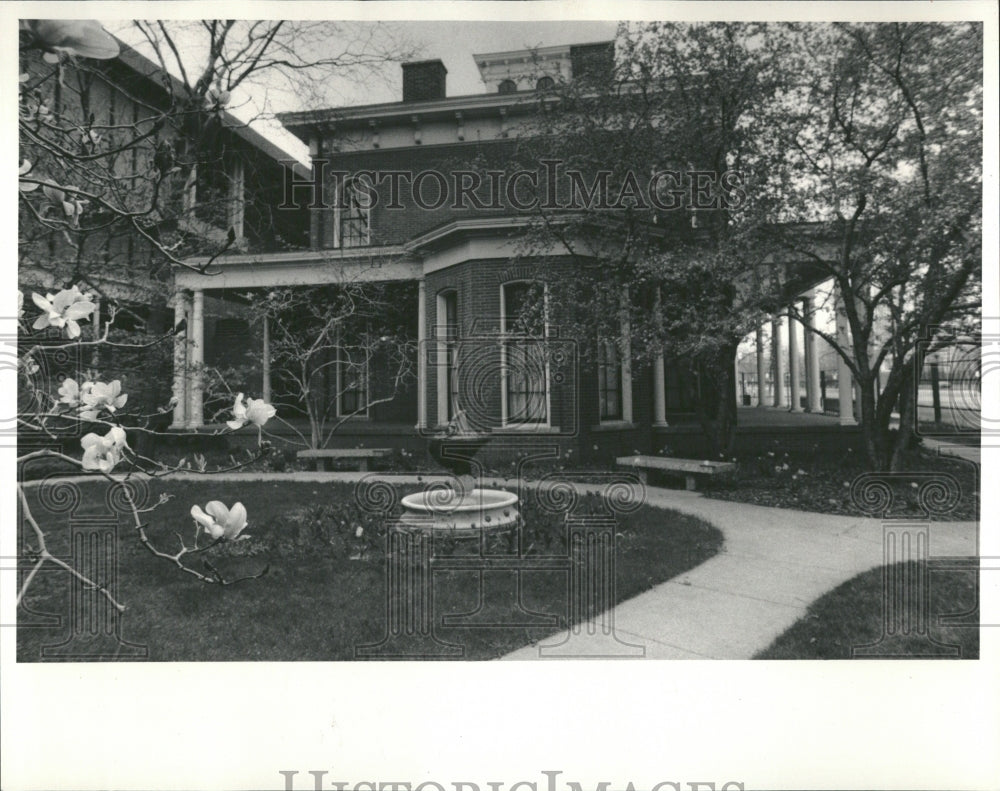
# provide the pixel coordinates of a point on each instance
(545, 84)
(609, 381)
(447, 373)
(352, 381)
(507, 86)
(525, 393)
(354, 213)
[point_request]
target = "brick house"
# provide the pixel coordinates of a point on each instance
(451, 244)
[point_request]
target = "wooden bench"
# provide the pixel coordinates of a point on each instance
(360, 454)
(689, 468)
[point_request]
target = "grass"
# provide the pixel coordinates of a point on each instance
(325, 591)
(853, 615)
(821, 482)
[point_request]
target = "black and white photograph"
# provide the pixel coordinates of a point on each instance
(396, 391)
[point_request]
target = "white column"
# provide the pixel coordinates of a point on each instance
(265, 366)
(659, 391)
(813, 402)
(197, 378)
(794, 369)
(761, 368)
(421, 354)
(845, 389)
(180, 390)
(659, 372)
(777, 362)
(626, 365)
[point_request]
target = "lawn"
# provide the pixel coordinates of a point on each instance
(325, 590)
(821, 482)
(853, 615)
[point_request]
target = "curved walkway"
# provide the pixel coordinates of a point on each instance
(773, 564)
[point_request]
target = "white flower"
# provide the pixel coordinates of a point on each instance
(83, 37)
(63, 310)
(359, 531)
(101, 396)
(69, 392)
(256, 411)
(103, 453)
(221, 522)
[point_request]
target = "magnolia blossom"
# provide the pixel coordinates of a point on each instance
(63, 310)
(256, 411)
(221, 522)
(83, 37)
(103, 453)
(69, 392)
(99, 395)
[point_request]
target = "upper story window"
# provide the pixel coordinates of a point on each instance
(545, 84)
(354, 213)
(507, 86)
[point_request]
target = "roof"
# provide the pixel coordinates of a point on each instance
(145, 67)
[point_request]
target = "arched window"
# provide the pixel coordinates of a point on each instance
(354, 213)
(545, 84)
(507, 86)
(524, 362)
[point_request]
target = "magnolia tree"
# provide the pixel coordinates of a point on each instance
(62, 148)
(335, 353)
(106, 453)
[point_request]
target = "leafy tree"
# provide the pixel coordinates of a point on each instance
(881, 143)
(675, 128)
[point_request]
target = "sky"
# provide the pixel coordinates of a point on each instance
(454, 42)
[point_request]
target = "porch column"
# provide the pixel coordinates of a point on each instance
(794, 369)
(659, 375)
(777, 362)
(421, 354)
(195, 416)
(845, 389)
(265, 366)
(813, 402)
(761, 368)
(180, 301)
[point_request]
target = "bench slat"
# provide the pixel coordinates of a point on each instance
(344, 453)
(677, 465)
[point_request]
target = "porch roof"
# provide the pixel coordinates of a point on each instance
(302, 268)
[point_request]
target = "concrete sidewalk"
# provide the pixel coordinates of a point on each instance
(774, 563)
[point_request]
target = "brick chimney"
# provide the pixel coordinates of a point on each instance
(424, 80)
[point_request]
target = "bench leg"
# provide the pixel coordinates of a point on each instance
(689, 483)
(643, 476)
(320, 465)
(364, 465)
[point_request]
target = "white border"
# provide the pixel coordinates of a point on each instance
(769, 725)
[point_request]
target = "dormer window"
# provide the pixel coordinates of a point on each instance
(507, 86)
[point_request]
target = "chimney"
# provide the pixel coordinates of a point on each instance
(423, 80)
(594, 62)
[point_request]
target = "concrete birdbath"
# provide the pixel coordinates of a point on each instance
(465, 508)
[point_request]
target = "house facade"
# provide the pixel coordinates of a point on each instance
(417, 193)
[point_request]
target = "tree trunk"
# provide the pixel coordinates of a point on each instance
(907, 419)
